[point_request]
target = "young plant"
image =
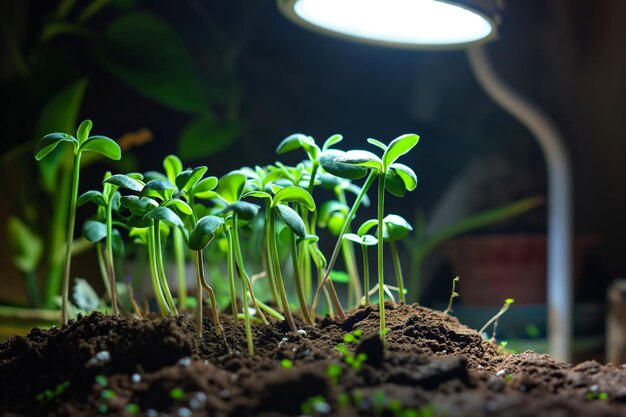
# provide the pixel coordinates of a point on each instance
(364, 240)
(81, 143)
(95, 231)
(453, 295)
(395, 229)
(382, 167)
(277, 205)
(494, 319)
(199, 238)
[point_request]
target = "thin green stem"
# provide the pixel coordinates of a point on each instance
(246, 310)
(230, 260)
(242, 271)
(179, 255)
(199, 299)
(70, 238)
(296, 275)
(271, 276)
(158, 292)
(381, 272)
(279, 276)
(111, 265)
(203, 284)
(368, 183)
(398, 267)
(161, 269)
(366, 275)
(103, 269)
(270, 311)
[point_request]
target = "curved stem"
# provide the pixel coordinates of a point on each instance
(279, 276)
(381, 271)
(70, 238)
(103, 269)
(271, 276)
(161, 269)
(244, 292)
(111, 265)
(296, 275)
(203, 284)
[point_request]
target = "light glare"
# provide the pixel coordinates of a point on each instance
(407, 22)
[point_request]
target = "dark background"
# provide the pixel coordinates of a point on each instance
(566, 56)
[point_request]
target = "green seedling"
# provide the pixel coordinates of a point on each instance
(286, 363)
(277, 205)
(395, 229)
(177, 394)
(399, 174)
(453, 295)
(334, 371)
(199, 238)
(364, 240)
(107, 201)
(315, 406)
(81, 143)
(355, 361)
(494, 319)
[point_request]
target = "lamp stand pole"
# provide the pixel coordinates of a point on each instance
(560, 213)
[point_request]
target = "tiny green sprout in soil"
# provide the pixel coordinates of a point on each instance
(181, 211)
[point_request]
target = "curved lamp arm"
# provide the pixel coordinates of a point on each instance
(560, 213)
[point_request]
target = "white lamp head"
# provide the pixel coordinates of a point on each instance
(419, 24)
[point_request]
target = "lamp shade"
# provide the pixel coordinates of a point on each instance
(419, 24)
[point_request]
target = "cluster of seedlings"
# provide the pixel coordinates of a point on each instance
(187, 208)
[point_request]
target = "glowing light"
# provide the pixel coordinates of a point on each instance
(400, 22)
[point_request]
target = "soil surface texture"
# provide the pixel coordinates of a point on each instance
(431, 366)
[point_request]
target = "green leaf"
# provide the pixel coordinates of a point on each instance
(83, 131)
(258, 194)
(203, 138)
(292, 219)
(245, 210)
(158, 188)
(49, 142)
(398, 147)
(147, 54)
(180, 205)
(328, 161)
(366, 226)
(103, 145)
(117, 243)
(290, 143)
(204, 185)
(330, 207)
(204, 232)
(340, 277)
(394, 183)
(172, 166)
(166, 215)
(377, 143)
(139, 222)
(115, 201)
(368, 240)
(407, 174)
(352, 237)
(188, 178)
(230, 186)
(125, 181)
(92, 196)
(59, 114)
(25, 245)
(361, 158)
(294, 195)
(137, 205)
(94, 231)
(396, 227)
(333, 140)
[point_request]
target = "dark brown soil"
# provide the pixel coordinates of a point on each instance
(432, 366)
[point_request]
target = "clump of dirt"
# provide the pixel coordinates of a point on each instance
(431, 365)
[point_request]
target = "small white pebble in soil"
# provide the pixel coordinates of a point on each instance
(136, 378)
(194, 404)
(151, 413)
(301, 332)
(99, 359)
(594, 388)
(501, 373)
(443, 352)
(184, 362)
(184, 412)
(206, 362)
(284, 339)
(201, 396)
(479, 367)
